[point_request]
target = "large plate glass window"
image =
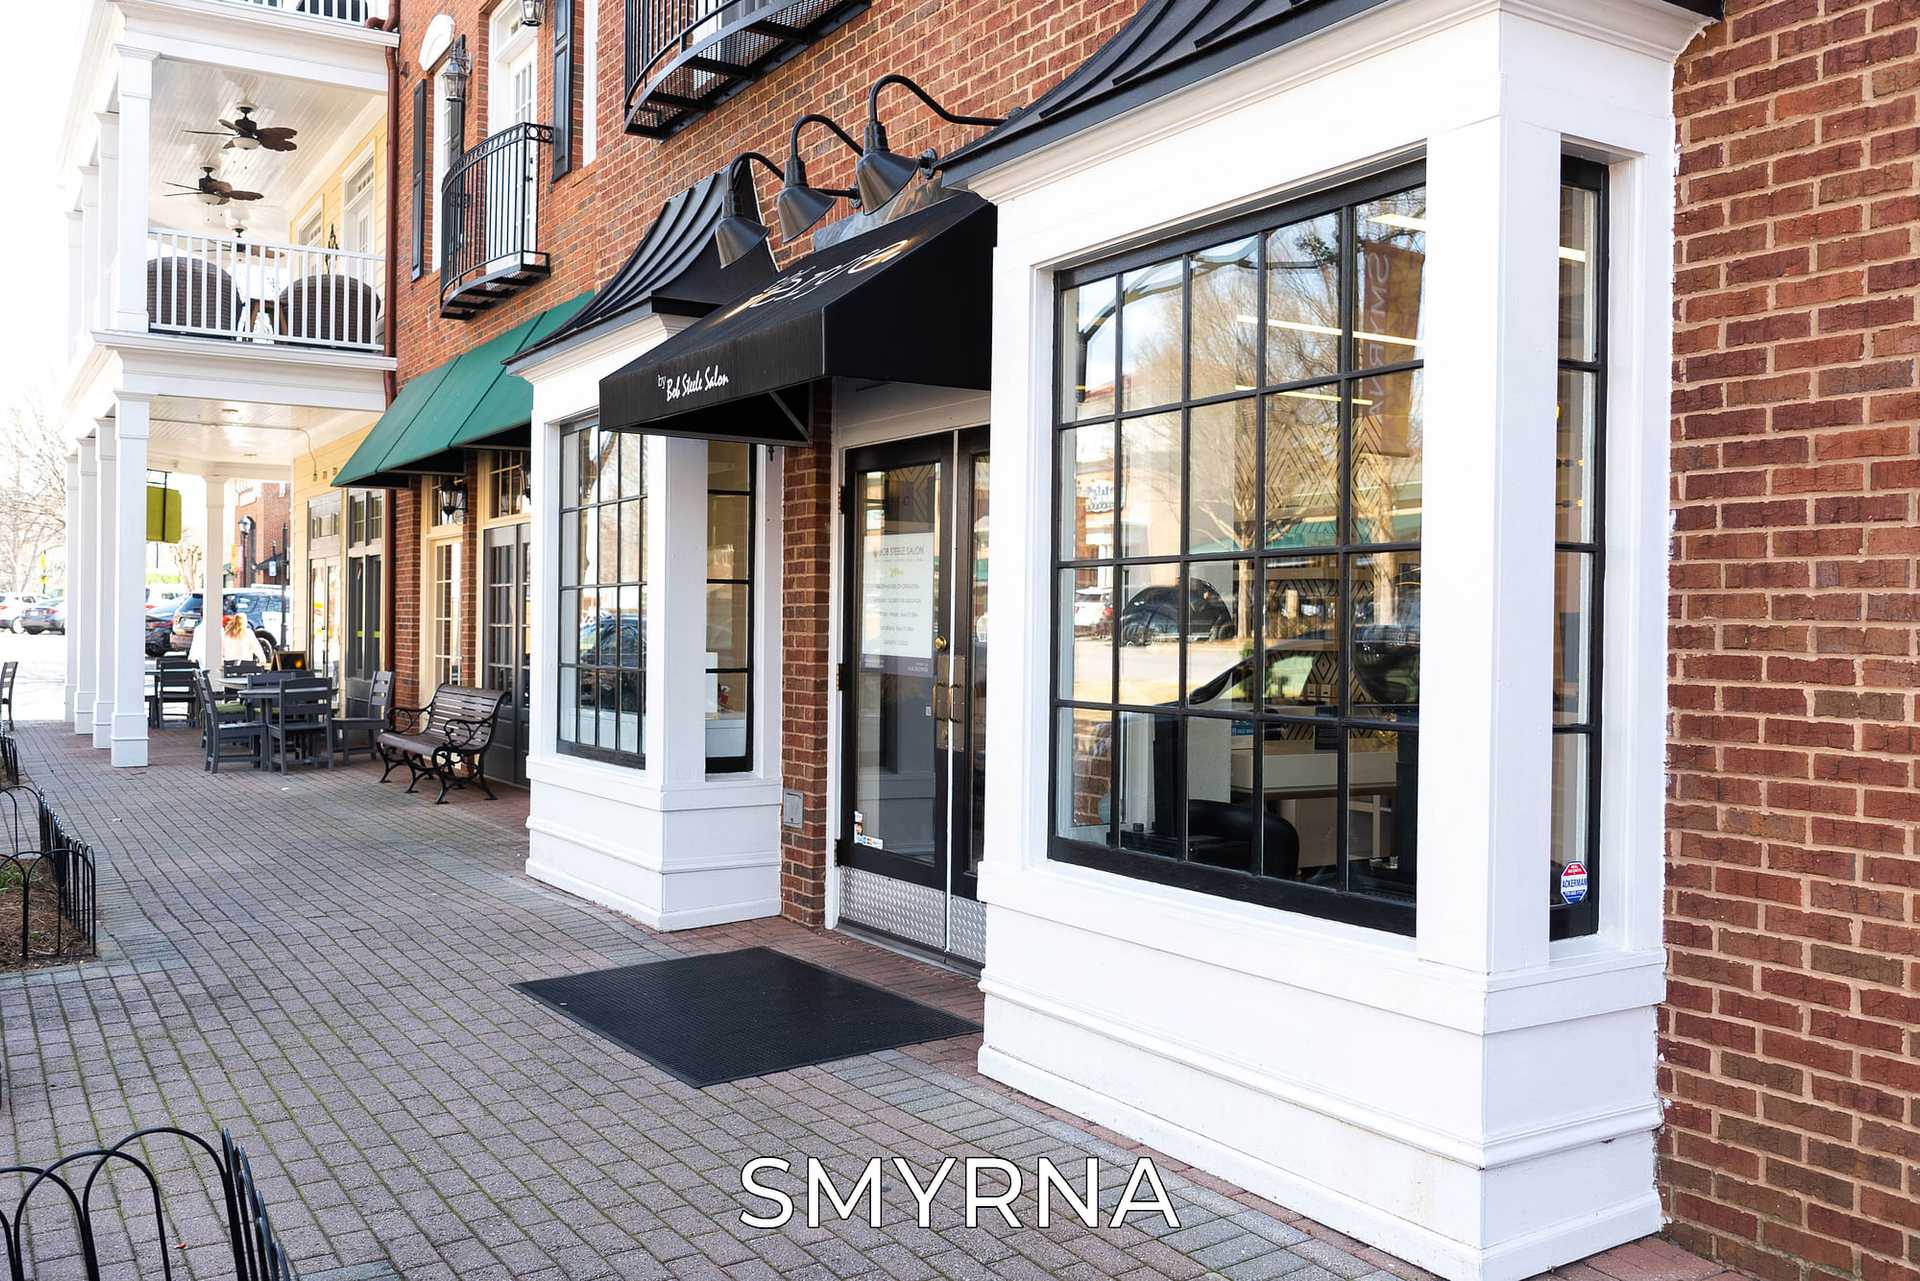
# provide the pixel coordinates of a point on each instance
(1579, 550)
(603, 595)
(730, 525)
(1237, 619)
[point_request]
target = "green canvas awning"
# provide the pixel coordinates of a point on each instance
(469, 402)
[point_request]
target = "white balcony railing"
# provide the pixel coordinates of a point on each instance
(357, 12)
(252, 291)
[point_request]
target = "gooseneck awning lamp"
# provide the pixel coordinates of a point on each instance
(740, 229)
(800, 205)
(882, 174)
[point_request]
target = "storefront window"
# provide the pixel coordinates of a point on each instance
(507, 484)
(603, 595)
(444, 657)
(1579, 539)
(730, 521)
(1239, 452)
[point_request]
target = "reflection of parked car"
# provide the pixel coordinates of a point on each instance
(1386, 662)
(49, 615)
(1092, 611)
(613, 644)
(1155, 611)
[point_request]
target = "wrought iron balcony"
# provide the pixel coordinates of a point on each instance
(356, 12)
(686, 57)
(251, 291)
(490, 247)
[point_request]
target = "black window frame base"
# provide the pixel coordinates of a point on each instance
(1313, 902)
(605, 755)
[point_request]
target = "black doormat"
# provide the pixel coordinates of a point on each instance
(710, 1019)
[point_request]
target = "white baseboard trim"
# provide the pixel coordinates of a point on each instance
(648, 914)
(1510, 1261)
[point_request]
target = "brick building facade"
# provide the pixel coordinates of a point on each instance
(1792, 1060)
(986, 59)
(261, 535)
(1792, 1143)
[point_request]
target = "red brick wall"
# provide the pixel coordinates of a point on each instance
(806, 676)
(1793, 1139)
(979, 57)
(403, 627)
(976, 56)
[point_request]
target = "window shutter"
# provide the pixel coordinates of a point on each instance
(419, 177)
(562, 88)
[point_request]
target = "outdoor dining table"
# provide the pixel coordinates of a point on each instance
(266, 696)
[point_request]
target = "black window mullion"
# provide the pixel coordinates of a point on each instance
(1174, 722)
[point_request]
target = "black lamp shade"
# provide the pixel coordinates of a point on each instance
(736, 236)
(800, 208)
(882, 175)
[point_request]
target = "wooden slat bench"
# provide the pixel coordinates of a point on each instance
(446, 740)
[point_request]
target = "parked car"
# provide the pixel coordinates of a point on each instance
(264, 608)
(50, 615)
(12, 605)
(160, 630)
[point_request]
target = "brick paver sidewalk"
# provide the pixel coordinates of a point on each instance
(325, 965)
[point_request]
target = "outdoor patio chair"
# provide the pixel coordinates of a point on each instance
(225, 724)
(301, 718)
(173, 687)
(364, 710)
(7, 673)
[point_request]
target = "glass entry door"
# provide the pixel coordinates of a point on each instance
(503, 646)
(913, 689)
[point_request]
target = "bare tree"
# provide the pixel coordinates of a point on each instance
(188, 557)
(33, 494)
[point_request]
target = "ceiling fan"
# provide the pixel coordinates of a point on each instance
(211, 190)
(246, 133)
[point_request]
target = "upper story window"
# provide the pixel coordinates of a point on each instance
(323, 516)
(1579, 558)
(1239, 441)
(686, 57)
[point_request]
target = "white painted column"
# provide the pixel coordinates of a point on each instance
(82, 589)
(128, 651)
(87, 311)
(543, 573)
(78, 300)
(70, 639)
(677, 612)
(105, 543)
(1485, 781)
(106, 232)
(212, 581)
(130, 214)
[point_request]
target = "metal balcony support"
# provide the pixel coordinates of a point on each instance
(490, 246)
(686, 57)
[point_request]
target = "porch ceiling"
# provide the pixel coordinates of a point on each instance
(235, 434)
(190, 95)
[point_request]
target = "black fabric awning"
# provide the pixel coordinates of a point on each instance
(909, 301)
